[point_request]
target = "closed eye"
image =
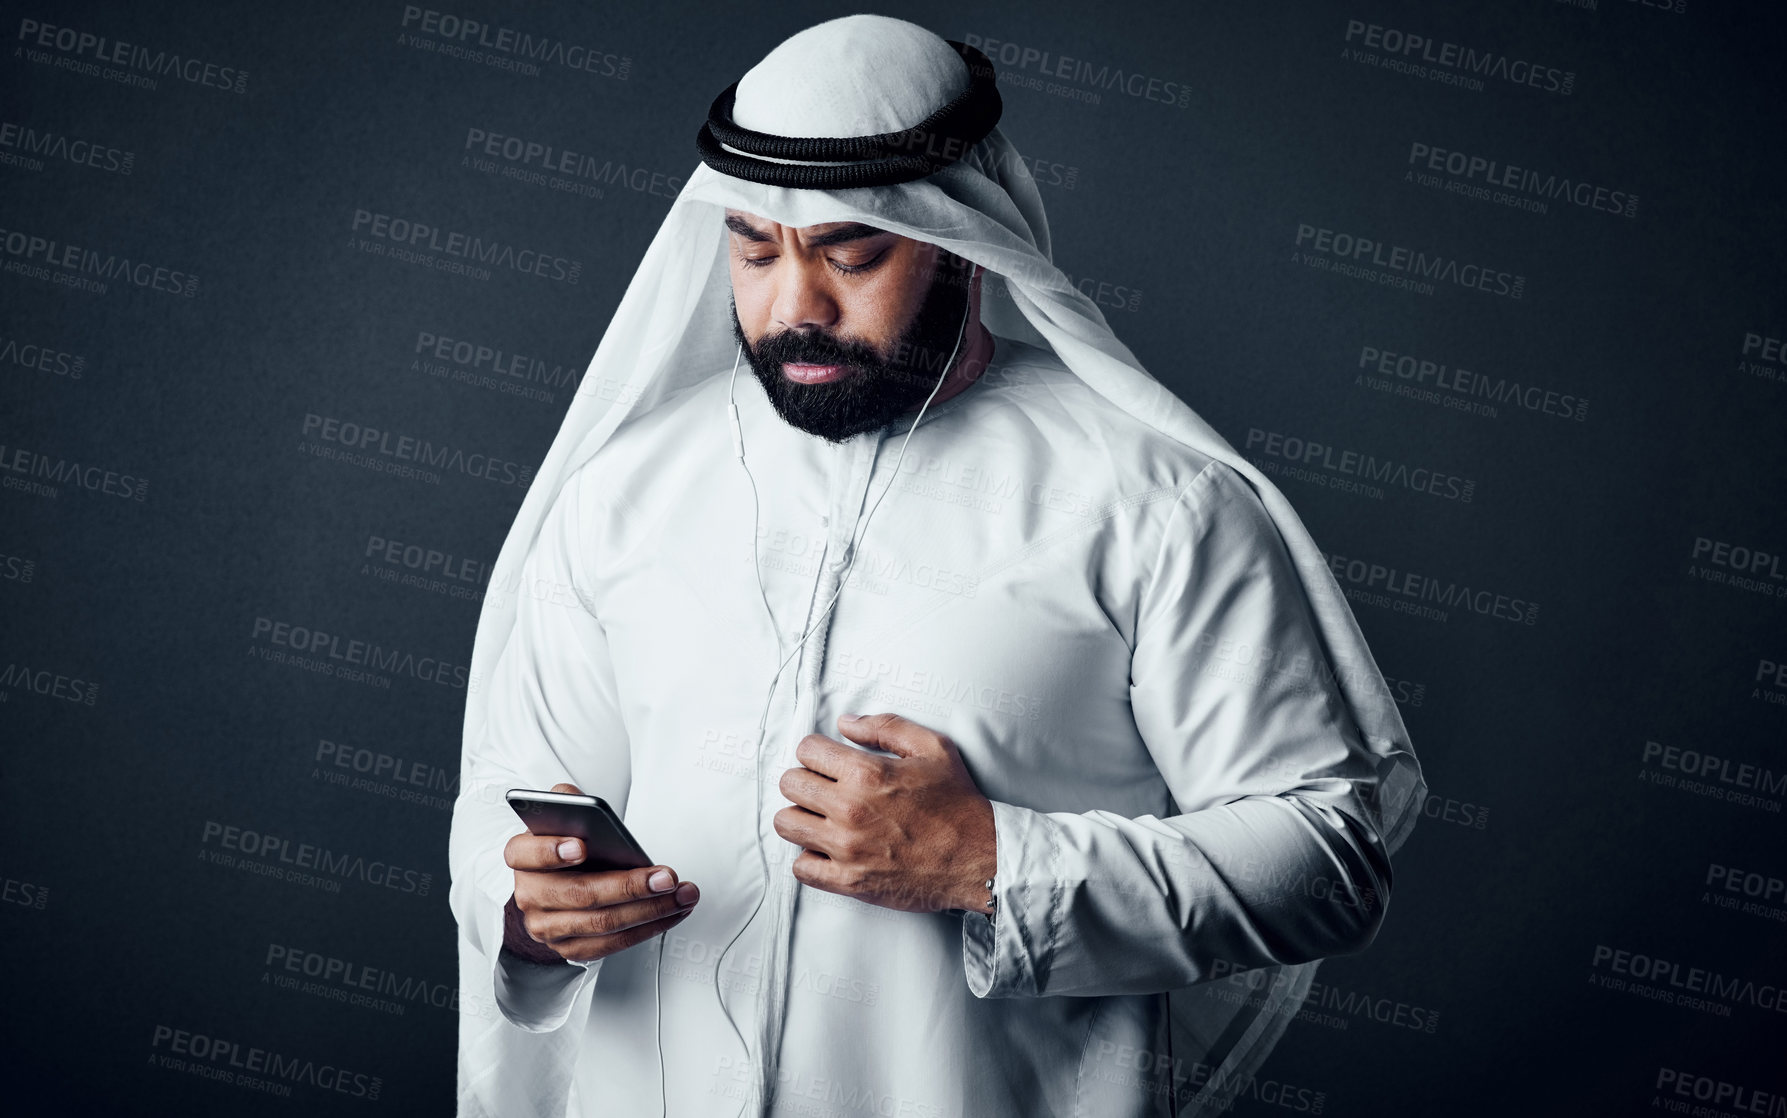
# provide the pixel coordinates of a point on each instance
(841, 269)
(853, 269)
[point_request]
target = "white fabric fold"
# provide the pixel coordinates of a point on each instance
(1055, 930)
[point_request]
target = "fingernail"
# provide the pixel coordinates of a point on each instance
(661, 881)
(570, 850)
(853, 718)
(686, 894)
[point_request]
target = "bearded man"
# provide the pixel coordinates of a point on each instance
(982, 705)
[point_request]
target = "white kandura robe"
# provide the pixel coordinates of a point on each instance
(1105, 622)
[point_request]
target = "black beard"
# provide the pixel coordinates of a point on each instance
(874, 390)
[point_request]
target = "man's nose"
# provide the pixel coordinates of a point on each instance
(803, 300)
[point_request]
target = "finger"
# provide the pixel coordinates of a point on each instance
(573, 889)
(587, 948)
(803, 828)
(551, 927)
(610, 887)
(567, 789)
(815, 869)
(897, 735)
(809, 790)
(542, 852)
(831, 758)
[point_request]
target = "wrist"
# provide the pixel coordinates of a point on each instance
(974, 889)
(518, 943)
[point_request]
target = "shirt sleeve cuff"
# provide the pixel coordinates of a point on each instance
(1003, 958)
(533, 996)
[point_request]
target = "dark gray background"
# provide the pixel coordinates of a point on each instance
(1548, 835)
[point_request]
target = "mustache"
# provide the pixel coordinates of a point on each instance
(813, 347)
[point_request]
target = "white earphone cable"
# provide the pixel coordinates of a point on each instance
(738, 445)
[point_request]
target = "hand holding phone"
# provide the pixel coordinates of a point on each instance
(583, 887)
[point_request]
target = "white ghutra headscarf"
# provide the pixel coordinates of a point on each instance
(673, 329)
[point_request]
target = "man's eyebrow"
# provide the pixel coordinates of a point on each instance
(745, 229)
(854, 231)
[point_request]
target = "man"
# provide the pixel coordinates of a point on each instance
(1121, 733)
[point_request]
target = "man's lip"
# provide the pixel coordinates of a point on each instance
(813, 374)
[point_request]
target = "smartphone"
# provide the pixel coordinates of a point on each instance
(607, 844)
